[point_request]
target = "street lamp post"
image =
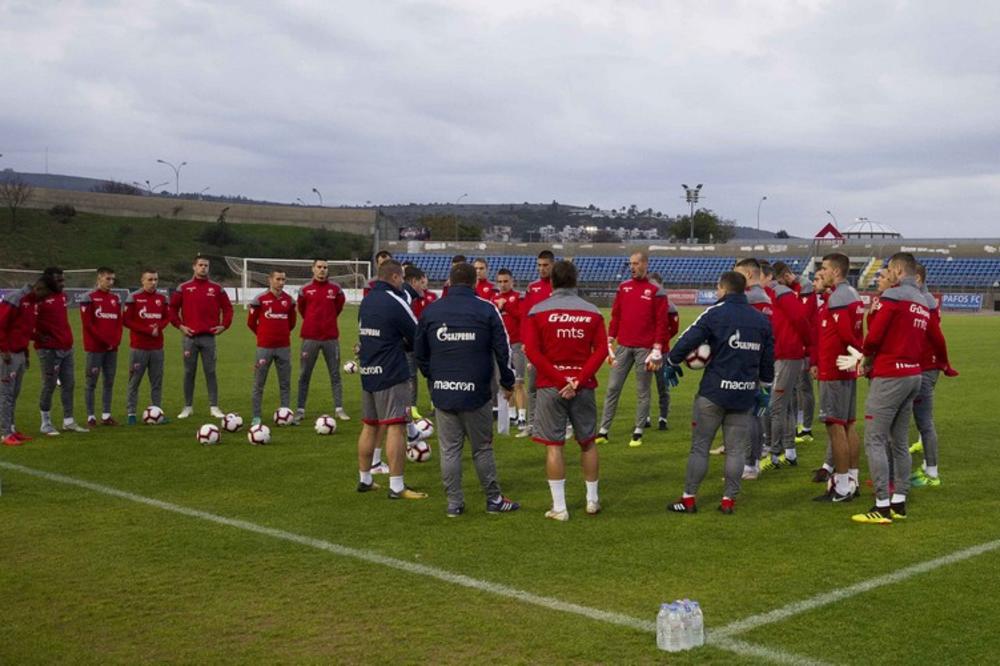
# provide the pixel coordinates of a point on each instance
(177, 174)
(148, 186)
(319, 195)
(456, 214)
(759, 203)
(201, 195)
(299, 199)
(691, 194)
(835, 223)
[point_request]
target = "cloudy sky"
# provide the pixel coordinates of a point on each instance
(887, 110)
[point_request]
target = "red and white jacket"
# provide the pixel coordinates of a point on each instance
(792, 336)
(509, 304)
(841, 323)
(17, 321)
(485, 289)
(101, 315)
(52, 329)
(898, 331)
(147, 315)
(320, 304)
(272, 318)
(639, 314)
(564, 339)
(201, 305)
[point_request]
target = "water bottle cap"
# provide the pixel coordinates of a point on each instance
(664, 606)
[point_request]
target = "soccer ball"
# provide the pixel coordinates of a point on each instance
(259, 434)
(209, 434)
(418, 452)
(700, 357)
(424, 428)
(283, 416)
(152, 415)
(232, 422)
(350, 367)
(326, 425)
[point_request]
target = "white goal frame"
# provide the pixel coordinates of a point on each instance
(360, 270)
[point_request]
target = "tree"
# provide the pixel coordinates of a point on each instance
(604, 236)
(782, 234)
(444, 227)
(114, 187)
(708, 227)
(14, 193)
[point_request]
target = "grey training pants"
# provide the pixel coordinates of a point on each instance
(452, 429)
(11, 374)
(735, 433)
(100, 363)
(805, 399)
(204, 345)
(787, 373)
(139, 362)
(625, 358)
(887, 426)
(281, 357)
(923, 414)
(663, 393)
(307, 361)
(57, 365)
(530, 376)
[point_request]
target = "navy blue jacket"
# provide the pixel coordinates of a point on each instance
(458, 340)
(742, 351)
(386, 327)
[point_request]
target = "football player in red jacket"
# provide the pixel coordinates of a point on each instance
(101, 316)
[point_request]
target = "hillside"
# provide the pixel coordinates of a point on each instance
(130, 244)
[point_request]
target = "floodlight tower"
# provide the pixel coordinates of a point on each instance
(691, 194)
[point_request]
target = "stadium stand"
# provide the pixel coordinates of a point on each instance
(959, 272)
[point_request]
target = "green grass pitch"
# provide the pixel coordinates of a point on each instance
(89, 578)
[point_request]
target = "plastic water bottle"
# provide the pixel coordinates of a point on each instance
(698, 625)
(676, 629)
(662, 627)
(687, 620)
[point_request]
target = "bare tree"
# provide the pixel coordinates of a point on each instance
(14, 192)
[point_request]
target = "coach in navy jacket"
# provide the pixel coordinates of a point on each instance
(742, 351)
(386, 331)
(458, 339)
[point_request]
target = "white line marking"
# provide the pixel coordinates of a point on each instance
(722, 642)
(827, 598)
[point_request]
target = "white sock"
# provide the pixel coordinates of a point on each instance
(377, 456)
(855, 474)
(882, 503)
(898, 499)
(748, 469)
(686, 495)
(522, 414)
(591, 491)
(91, 416)
(843, 483)
(366, 477)
(828, 467)
(558, 490)
(46, 418)
(790, 454)
(68, 421)
(105, 415)
(931, 471)
(396, 484)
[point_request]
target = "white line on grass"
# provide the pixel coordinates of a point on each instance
(827, 598)
(724, 642)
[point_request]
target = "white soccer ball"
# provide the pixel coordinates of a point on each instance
(209, 434)
(259, 434)
(283, 416)
(326, 425)
(152, 415)
(232, 422)
(350, 367)
(418, 452)
(699, 358)
(424, 428)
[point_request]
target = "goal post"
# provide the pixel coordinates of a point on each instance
(352, 275)
(15, 278)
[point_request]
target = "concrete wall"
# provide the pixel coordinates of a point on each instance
(352, 220)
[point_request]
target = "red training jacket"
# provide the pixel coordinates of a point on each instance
(639, 314)
(146, 317)
(792, 336)
(509, 304)
(564, 339)
(320, 304)
(485, 289)
(52, 329)
(898, 331)
(201, 305)
(840, 321)
(17, 321)
(101, 315)
(272, 318)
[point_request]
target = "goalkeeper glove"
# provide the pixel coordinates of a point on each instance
(763, 400)
(654, 359)
(672, 374)
(850, 360)
(611, 353)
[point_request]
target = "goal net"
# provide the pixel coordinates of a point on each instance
(78, 278)
(351, 275)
